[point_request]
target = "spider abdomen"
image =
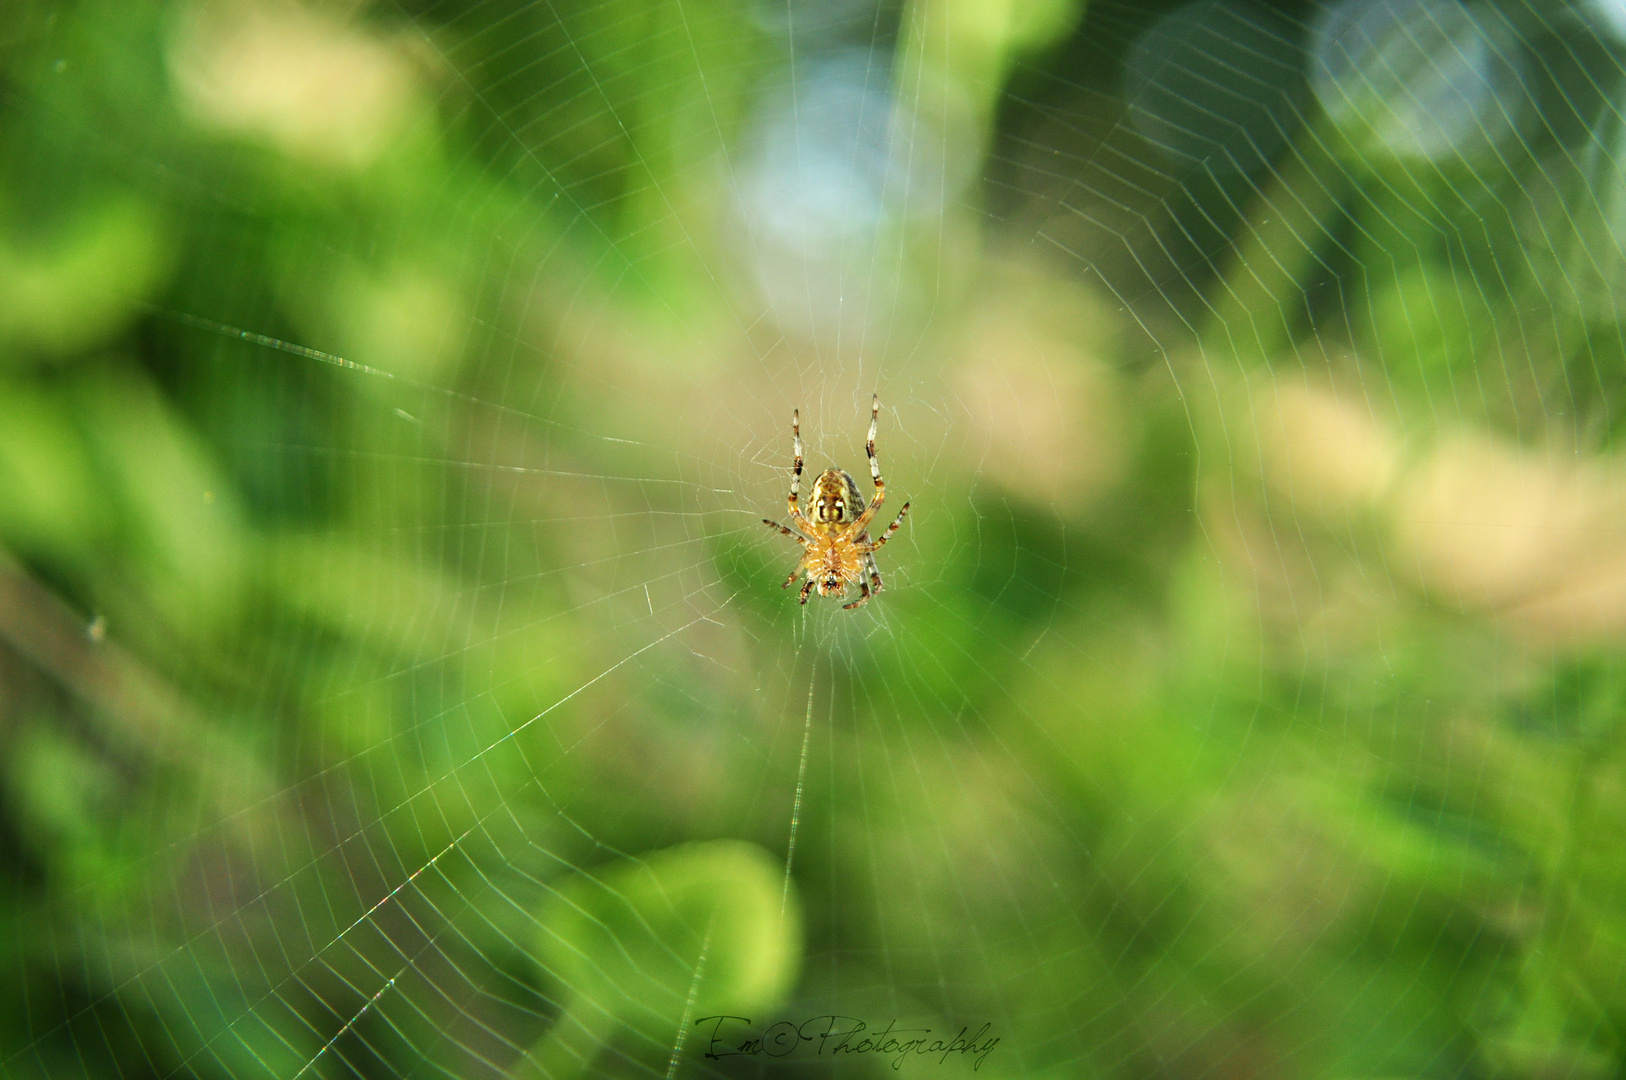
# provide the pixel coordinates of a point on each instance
(836, 501)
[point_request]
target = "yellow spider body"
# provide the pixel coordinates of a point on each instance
(838, 551)
(833, 559)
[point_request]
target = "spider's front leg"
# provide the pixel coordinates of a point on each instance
(796, 517)
(805, 588)
(874, 545)
(863, 596)
(862, 522)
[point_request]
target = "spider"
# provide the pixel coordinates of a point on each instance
(836, 538)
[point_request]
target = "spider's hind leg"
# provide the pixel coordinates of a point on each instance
(874, 573)
(792, 533)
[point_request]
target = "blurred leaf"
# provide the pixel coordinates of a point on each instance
(66, 795)
(179, 520)
(79, 286)
(655, 944)
(51, 500)
(1429, 327)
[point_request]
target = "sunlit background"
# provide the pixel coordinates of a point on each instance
(394, 674)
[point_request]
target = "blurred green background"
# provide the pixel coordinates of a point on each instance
(394, 679)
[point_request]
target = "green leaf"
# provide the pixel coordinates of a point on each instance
(642, 949)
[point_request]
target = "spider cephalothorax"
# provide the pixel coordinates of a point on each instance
(836, 536)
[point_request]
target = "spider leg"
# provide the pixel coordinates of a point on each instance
(874, 545)
(863, 520)
(796, 517)
(874, 572)
(805, 588)
(869, 444)
(794, 574)
(863, 596)
(792, 533)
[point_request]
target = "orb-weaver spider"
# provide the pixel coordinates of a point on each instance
(836, 538)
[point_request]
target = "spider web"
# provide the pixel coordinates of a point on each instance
(394, 677)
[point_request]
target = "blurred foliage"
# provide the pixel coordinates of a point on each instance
(388, 685)
(694, 931)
